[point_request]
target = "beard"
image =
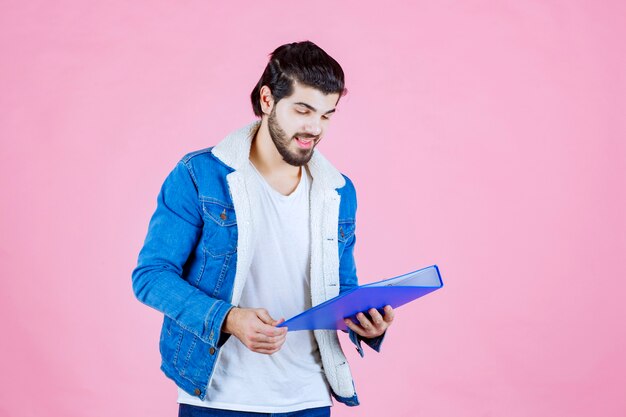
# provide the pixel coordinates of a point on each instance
(296, 157)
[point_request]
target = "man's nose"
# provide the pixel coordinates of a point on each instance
(313, 128)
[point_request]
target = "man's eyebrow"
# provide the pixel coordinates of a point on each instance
(308, 106)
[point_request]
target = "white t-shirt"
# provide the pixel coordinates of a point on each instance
(279, 280)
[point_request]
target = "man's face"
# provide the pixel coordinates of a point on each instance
(296, 123)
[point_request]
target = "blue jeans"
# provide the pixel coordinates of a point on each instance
(186, 410)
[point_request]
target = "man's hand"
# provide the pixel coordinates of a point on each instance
(371, 328)
(256, 329)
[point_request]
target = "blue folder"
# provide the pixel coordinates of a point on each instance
(395, 291)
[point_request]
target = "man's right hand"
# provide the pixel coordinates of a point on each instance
(256, 329)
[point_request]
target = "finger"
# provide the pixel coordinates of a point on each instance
(265, 317)
(266, 346)
(282, 320)
(356, 328)
(376, 317)
(365, 323)
(262, 338)
(268, 330)
(389, 314)
(266, 351)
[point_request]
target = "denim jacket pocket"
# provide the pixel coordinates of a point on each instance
(345, 231)
(220, 228)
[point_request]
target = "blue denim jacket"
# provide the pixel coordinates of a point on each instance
(197, 252)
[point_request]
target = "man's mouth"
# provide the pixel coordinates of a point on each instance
(305, 143)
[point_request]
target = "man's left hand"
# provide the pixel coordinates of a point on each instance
(371, 328)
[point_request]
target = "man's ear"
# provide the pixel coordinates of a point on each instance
(267, 100)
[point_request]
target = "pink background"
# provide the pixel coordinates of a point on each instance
(485, 137)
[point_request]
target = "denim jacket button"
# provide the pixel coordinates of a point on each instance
(212, 351)
(196, 391)
(223, 215)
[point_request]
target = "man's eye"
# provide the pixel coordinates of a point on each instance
(302, 111)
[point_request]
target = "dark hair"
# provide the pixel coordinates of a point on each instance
(303, 62)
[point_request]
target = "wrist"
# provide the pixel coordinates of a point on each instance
(229, 322)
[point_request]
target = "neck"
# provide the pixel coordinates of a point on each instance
(265, 156)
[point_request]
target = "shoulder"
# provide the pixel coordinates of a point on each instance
(203, 163)
(196, 156)
(348, 203)
(349, 185)
(348, 189)
(189, 162)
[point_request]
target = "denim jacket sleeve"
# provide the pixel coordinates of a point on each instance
(173, 233)
(348, 280)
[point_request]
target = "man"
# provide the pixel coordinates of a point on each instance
(257, 228)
